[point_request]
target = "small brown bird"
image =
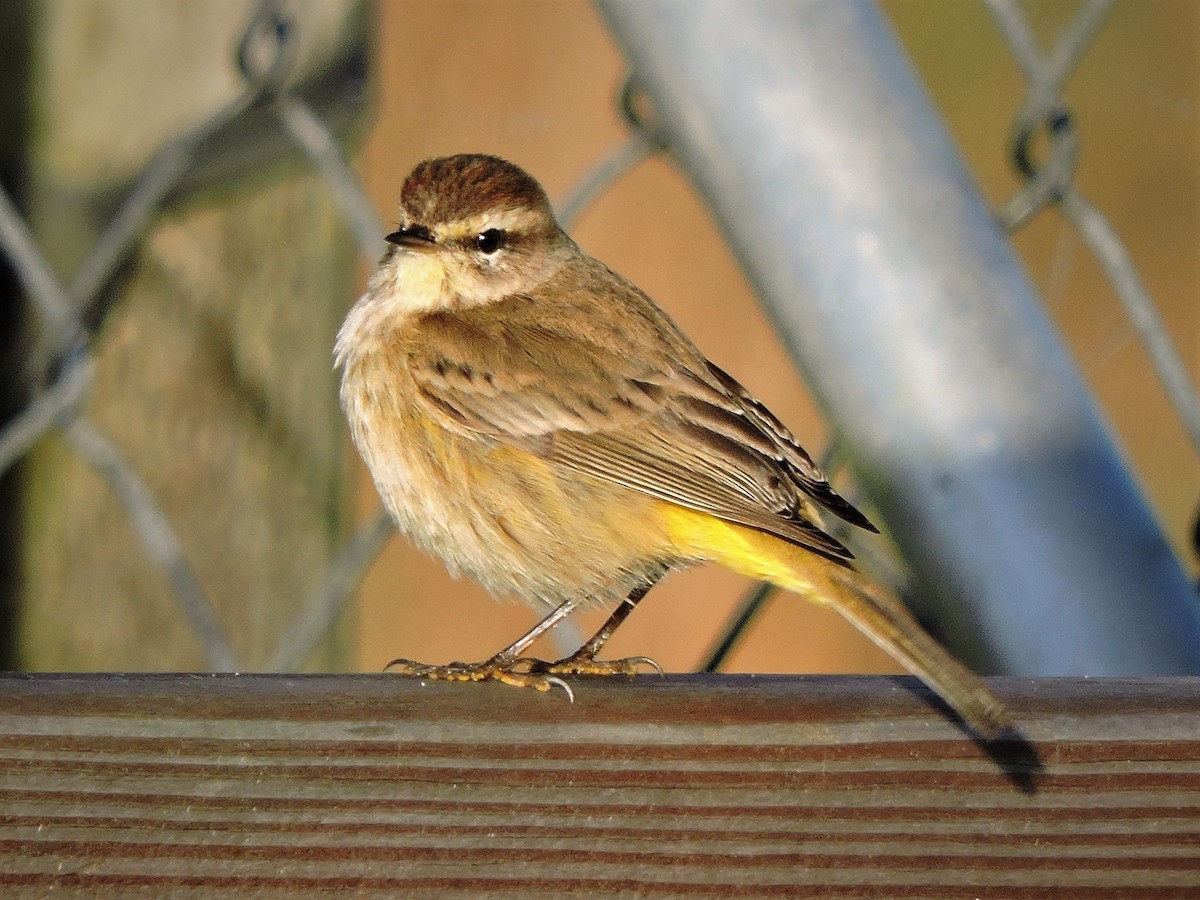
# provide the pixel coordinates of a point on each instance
(538, 422)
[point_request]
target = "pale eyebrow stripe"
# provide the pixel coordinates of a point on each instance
(504, 219)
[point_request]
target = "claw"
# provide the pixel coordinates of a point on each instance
(552, 681)
(645, 661)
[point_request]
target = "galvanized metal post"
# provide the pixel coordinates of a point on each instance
(821, 157)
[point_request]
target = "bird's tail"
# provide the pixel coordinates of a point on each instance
(886, 620)
(873, 610)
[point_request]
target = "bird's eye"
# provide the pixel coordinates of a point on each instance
(489, 241)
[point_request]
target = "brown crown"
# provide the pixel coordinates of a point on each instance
(454, 187)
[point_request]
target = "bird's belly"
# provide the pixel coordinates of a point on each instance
(512, 521)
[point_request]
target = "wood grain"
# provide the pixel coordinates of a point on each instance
(182, 785)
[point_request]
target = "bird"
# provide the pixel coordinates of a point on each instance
(540, 424)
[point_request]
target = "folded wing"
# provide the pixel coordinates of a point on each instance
(663, 421)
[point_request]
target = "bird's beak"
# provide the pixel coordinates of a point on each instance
(414, 237)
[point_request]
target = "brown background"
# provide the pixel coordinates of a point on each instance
(535, 81)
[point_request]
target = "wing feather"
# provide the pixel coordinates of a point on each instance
(664, 422)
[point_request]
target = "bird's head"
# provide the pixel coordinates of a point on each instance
(472, 229)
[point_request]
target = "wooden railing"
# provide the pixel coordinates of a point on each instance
(820, 786)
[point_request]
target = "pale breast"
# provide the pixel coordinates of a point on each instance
(506, 518)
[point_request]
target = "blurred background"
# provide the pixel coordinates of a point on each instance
(177, 168)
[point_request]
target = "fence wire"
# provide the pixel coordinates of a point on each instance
(62, 366)
(1050, 183)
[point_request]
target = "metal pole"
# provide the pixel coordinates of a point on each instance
(815, 145)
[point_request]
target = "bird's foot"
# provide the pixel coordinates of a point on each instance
(519, 671)
(523, 671)
(582, 664)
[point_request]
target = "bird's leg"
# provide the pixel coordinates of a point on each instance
(583, 661)
(508, 666)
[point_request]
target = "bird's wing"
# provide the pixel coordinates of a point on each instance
(504, 372)
(661, 421)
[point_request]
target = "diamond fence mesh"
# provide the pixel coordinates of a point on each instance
(72, 317)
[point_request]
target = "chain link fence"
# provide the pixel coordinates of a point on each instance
(61, 365)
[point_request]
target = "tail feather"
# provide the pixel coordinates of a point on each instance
(870, 608)
(887, 622)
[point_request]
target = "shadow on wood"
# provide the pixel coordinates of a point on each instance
(811, 786)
